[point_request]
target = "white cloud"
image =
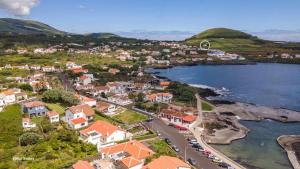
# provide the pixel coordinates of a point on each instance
(18, 7)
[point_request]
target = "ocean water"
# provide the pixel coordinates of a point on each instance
(275, 85)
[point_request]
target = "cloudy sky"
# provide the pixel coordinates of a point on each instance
(166, 19)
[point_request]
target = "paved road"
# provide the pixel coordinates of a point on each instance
(182, 144)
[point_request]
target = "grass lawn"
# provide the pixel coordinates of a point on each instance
(130, 117)
(56, 107)
(206, 106)
(11, 128)
(160, 147)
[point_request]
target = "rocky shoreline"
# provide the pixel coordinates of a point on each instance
(288, 142)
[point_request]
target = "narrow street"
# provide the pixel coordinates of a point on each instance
(179, 140)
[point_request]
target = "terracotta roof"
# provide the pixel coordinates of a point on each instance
(26, 120)
(34, 104)
(166, 162)
(130, 162)
(78, 120)
(102, 106)
(8, 92)
(82, 165)
(86, 109)
(84, 98)
(102, 88)
(189, 118)
(136, 149)
(164, 83)
(83, 77)
(172, 113)
(79, 70)
(102, 127)
(52, 113)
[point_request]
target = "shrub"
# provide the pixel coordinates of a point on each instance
(29, 139)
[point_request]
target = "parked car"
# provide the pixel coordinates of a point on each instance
(217, 160)
(223, 165)
(168, 141)
(196, 145)
(175, 148)
(207, 153)
(211, 156)
(230, 167)
(200, 149)
(192, 161)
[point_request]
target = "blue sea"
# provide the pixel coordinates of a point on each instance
(275, 85)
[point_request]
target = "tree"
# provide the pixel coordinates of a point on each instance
(140, 97)
(60, 96)
(26, 87)
(29, 139)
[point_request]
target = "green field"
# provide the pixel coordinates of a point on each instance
(160, 147)
(56, 107)
(206, 106)
(11, 127)
(130, 117)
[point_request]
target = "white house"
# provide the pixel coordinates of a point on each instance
(27, 124)
(79, 116)
(48, 69)
(100, 89)
(106, 108)
(53, 116)
(86, 100)
(120, 99)
(102, 133)
(160, 97)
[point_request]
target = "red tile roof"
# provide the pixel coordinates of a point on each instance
(131, 162)
(82, 165)
(166, 162)
(78, 120)
(34, 104)
(102, 127)
(86, 109)
(136, 149)
(52, 113)
(189, 118)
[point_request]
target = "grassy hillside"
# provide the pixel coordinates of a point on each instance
(228, 40)
(18, 26)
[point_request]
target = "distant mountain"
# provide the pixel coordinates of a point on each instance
(102, 35)
(228, 40)
(25, 27)
(157, 35)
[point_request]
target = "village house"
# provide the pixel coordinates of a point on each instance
(120, 99)
(84, 87)
(27, 124)
(10, 96)
(79, 70)
(84, 80)
(72, 65)
(106, 108)
(113, 71)
(100, 89)
(86, 100)
(177, 118)
(129, 155)
(48, 69)
(116, 87)
(82, 165)
(79, 116)
(35, 108)
(159, 97)
(53, 116)
(102, 134)
(167, 162)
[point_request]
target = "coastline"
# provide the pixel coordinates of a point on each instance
(231, 113)
(286, 142)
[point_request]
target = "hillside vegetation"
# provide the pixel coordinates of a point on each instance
(237, 41)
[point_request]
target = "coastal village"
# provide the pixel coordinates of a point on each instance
(98, 107)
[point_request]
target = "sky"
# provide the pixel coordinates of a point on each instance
(179, 16)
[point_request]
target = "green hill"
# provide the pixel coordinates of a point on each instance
(228, 40)
(25, 27)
